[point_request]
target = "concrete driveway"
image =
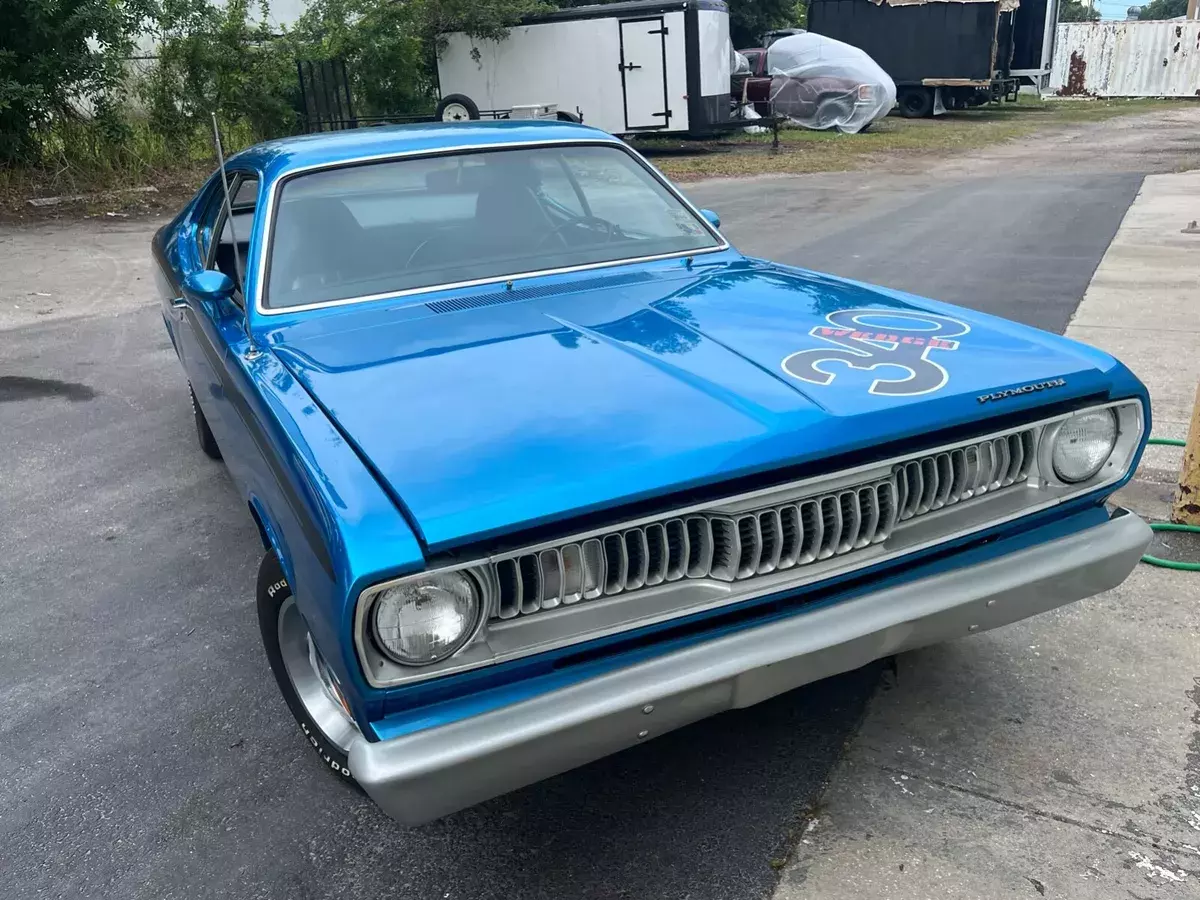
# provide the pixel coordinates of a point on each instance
(147, 751)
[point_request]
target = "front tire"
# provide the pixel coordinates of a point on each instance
(308, 686)
(204, 434)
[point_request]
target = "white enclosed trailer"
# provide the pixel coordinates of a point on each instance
(627, 68)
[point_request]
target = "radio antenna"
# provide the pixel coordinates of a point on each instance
(237, 257)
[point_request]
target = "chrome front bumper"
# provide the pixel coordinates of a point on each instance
(430, 773)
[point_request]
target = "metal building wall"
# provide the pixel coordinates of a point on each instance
(1127, 59)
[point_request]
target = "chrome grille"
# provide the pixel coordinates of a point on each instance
(713, 546)
(932, 482)
(737, 547)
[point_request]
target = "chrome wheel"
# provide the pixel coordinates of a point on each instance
(312, 680)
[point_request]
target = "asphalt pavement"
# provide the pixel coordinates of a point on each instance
(1057, 757)
(147, 752)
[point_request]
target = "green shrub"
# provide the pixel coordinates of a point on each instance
(57, 59)
(217, 59)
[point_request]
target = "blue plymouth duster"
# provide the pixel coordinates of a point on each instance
(543, 467)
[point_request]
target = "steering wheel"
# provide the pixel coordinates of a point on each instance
(417, 251)
(610, 230)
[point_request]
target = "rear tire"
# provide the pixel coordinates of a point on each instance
(204, 434)
(456, 108)
(282, 626)
(916, 102)
(564, 116)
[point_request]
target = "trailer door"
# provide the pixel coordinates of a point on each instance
(644, 73)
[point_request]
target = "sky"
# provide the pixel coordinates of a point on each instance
(1115, 9)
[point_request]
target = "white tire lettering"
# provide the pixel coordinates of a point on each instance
(333, 764)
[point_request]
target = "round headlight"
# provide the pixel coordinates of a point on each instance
(427, 619)
(1083, 444)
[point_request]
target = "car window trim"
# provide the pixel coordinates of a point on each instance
(271, 212)
(237, 176)
(197, 223)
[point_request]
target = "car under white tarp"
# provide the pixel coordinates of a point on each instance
(820, 83)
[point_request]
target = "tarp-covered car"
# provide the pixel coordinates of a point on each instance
(820, 83)
(544, 468)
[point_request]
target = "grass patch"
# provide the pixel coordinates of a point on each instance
(802, 151)
(80, 156)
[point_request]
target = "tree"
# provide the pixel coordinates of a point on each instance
(749, 20)
(1075, 11)
(57, 56)
(390, 46)
(1163, 9)
(217, 58)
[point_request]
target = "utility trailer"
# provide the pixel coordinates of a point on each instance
(629, 68)
(947, 54)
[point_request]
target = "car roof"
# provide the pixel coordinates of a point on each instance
(279, 158)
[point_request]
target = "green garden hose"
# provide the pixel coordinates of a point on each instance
(1170, 526)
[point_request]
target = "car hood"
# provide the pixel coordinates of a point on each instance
(495, 412)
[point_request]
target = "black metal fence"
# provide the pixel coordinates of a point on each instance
(328, 102)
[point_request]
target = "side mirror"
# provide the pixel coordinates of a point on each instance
(208, 285)
(713, 219)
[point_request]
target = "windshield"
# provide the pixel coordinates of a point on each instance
(383, 227)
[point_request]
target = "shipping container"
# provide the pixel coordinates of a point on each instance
(1127, 59)
(947, 53)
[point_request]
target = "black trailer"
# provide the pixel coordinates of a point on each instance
(946, 53)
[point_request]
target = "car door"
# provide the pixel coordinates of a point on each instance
(644, 73)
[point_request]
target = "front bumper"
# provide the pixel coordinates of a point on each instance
(422, 776)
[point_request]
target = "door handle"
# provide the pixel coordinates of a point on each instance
(179, 303)
(628, 67)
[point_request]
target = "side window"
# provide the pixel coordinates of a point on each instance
(232, 247)
(246, 194)
(207, 223)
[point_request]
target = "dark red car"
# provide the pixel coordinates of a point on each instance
(756, 87)
(799, 98)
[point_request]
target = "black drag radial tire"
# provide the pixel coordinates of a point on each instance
(273, 590)
(204, 434)
(564, 116)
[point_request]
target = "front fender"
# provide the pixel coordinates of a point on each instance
(321, 511)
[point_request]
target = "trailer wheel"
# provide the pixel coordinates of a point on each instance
(456, 108)
(916, 102)
(564, 116)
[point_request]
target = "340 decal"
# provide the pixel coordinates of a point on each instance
(869, 339)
